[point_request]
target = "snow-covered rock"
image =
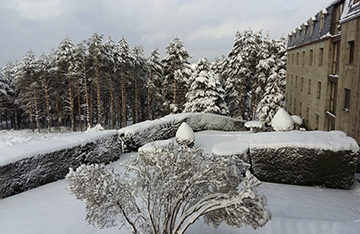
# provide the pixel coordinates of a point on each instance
(137, 135)
(311, 158)
(37, 163)
(185, 135)
(298, 122)
(282, 121)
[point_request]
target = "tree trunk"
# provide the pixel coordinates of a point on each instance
(87, 112)
(47, 104)
(36, 112)
(73, 127)
(119, 110)
(112, 105)
(58, 113)
(79, 110)
(91, 107)
(99, 114)
(123, 99)
(175, 92)
(136, 100)
(149, 97)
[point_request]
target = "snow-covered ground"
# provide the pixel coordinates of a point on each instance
(295, 209)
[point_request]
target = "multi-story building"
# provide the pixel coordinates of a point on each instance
(323, 69)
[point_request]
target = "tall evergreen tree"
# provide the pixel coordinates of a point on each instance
(8, 97)
(242, 70)
(64, 56)
(125, 60)
(177, 73)
(205, 93)
(155, 85)
(96, 56)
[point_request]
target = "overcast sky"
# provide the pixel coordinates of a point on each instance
(207, 27)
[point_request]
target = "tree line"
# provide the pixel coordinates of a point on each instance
(99, 81)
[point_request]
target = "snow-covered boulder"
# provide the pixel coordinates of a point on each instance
(313, 158)
(37, 163)
(185, 135)
(282, 121)
(137, 135)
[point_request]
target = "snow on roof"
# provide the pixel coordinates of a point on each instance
(17, 152)
(334, 140)
(351, 11)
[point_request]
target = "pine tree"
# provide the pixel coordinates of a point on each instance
(273, 97)
(96, 55)
(64, 56)
(241, 72)
(154, 85)
(205, 93)
(177, 73)
(8, 97)
(125, 60)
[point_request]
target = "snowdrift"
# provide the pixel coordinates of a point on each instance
(40, 162)
(137, 135)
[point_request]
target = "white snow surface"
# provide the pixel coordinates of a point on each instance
(254, 124)
(282, 121)
(295, 209)
(16, 145)
(297, 119)
(230, 148)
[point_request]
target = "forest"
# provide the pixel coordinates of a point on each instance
(97, 81)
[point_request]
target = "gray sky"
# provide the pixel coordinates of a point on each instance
(207, 27)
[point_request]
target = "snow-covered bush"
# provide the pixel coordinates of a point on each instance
(185, 135)
(282, 121)
(184, 185)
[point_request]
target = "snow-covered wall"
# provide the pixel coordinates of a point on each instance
(31, 165)
(137, 135)
(315, 158)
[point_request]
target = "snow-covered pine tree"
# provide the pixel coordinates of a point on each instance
(8, 97)
(80, 69)
(27, 84)
(46, 66)
(64, 56)
(241, 71)
(273, 98)
(183, 185)
(125, 60)
(112, 69)
(96, 56)
(155, 85)
(139, 74)
(205, 93)
(177, 73)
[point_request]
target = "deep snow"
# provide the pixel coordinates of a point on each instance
(295, 209)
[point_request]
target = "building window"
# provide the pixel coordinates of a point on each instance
(297, 58)
(311, 57)
(309, 86)
(307, 114)
(351, 51)
(347, 100)
(317, 117)
(303, 58)
(300, 109)
(318, 93)
(322, 22)
(333, 94)
(321, 56)
(296, 81)
(302, 84)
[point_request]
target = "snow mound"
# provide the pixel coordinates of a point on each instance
(185, 135)
(282, 121)
(97, 128)
(297, 119)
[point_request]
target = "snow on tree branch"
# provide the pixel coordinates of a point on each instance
(168, 196)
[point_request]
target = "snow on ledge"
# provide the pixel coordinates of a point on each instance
(334, 140)
(17, 152)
